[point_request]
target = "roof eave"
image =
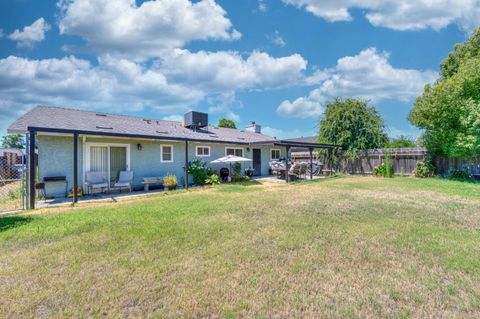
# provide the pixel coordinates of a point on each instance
(126, 135)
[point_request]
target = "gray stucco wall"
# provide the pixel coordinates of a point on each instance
(55, 156)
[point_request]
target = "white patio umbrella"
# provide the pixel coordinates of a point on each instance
(231, 159)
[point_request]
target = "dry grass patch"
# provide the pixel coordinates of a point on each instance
(350, 247)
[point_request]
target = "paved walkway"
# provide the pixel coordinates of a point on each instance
(94, 198)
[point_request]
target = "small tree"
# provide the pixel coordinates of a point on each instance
(13, 141)
(226, 123)
(353, 125)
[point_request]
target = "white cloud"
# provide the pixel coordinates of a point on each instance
(224, 103)
(277, 39)
(282, 134)
(412, 131)
(113, 84)
(174, 117)
(30, 34)
(123, 28)
(368, 75)
(225, 71)
(262, 5)
(172, 85)
(399, 15)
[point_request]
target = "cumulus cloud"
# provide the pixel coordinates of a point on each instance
(399, 15)
(277, 39)
(114, 83)
(30, 34)
(123, 28)
(282, 134)
(262, 5)
(227, 70)
(368, 75)
(175, 83)
(174, 117)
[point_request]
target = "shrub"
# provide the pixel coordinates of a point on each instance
(198, 169)
(236, 169)
(424, 169)
(213, 179)
(170, 181)
(383, 171)
(237, 178)
(459, 173)
(388, 165)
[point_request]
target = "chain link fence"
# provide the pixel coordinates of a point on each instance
(12, 180)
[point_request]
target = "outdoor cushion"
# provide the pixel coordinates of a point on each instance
(99, 185)
(95, 178)
(122, 184)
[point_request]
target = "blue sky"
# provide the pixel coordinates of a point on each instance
(275, 62)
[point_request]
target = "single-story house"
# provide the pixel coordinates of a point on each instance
(72, 142)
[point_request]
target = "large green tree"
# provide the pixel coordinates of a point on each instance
(352, 124)
(449, 111)
(13, 141)
(226, 123)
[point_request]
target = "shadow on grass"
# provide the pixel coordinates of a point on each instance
(461, 180)
(9, 222)
(238, 186)
(319, 180)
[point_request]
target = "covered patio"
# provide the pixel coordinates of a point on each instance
(309, 144)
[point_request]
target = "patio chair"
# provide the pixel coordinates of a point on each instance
(95, 180)
(294, 171)
(124, 180)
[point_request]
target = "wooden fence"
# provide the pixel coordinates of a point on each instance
(404, 161)
(443, 165)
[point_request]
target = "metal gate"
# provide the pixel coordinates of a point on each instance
(12, 180)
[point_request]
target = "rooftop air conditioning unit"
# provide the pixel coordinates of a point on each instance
(195, 120)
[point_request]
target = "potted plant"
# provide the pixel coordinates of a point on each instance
(170, 181)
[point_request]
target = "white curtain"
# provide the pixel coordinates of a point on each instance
(99, 160)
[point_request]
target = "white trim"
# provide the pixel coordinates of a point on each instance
(279, 153)
(86, 163)
(161, 153)
(234, 148)
(202, 146)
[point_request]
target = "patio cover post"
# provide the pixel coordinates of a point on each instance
(311, 162)
(75, 168)
(186, 164)
(32, 170)
(287, 168)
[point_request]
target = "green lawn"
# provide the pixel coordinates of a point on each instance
(339, 247)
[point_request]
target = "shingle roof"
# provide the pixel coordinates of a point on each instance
(307, 139)
(47, 117)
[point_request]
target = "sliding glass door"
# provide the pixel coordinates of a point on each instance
(109, 159)
(118, 162)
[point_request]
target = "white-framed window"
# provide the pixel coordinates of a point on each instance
(275, 154)
(237, 151)
(166, 153)
(202, 151)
